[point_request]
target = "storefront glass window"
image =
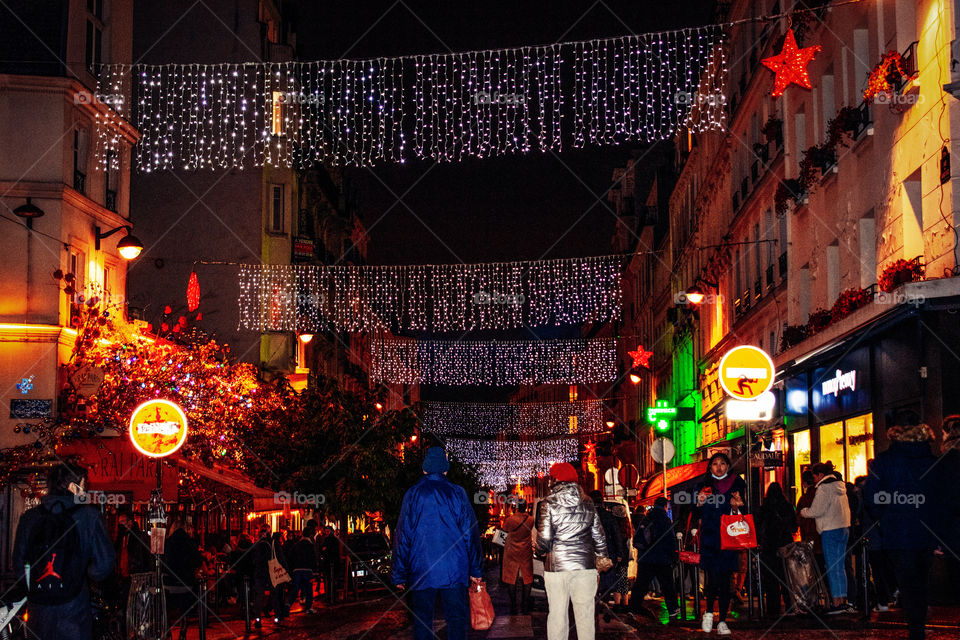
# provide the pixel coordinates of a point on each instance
(801, 458)
(831, 446)
(859, 445)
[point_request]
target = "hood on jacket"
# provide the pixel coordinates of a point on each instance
(910, 433)
(832, 484)
(567, 494)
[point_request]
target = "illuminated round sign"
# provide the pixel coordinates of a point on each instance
(158, 428)
(746, 372)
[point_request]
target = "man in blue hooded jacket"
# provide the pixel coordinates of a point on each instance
(437, 549)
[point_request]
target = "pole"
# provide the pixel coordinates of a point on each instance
(160, 593)
(748, 503)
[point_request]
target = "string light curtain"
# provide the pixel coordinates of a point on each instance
(491, 362)
(528, 419)
(442, 107)
(501, 463)
(434, 298)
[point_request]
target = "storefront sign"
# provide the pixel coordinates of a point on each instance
(661, 414)
(760, 409)
(746, 372)
(767, 459)
(158, 428)
(842, 380)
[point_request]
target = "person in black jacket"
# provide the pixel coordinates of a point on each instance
(903, 495)
(656, 544)
(616, 545)
(303, 560)
(776, 524)
(71, 620)
(181, 560)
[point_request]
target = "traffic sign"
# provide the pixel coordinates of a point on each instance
(158, 428)
(662, 450)
(746, 372)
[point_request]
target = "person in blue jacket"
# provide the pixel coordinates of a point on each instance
(437, 549)
(72, 620)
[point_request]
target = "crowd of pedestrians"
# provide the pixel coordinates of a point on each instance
(874, 541)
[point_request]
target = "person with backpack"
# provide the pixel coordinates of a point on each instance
(59, 545)
(656, 544)
(303, 560)
(517, 572)
(616, 544)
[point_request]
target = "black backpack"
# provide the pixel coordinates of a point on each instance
(57, 571)
(643, 538)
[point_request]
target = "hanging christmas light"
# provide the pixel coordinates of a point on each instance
(529, 419)
(435, 298)
(501, 463)
(452, 106)
(491, 362)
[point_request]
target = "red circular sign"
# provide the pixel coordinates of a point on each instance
(158, 428)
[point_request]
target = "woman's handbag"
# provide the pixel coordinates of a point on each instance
(737, 532)
(481, 607)
(278, 575)
(604, 564)
(689, 557)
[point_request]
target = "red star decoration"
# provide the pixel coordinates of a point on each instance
(790, 65)
(640, 357)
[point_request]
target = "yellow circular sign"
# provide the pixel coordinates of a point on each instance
(158, 428)
(746, 372)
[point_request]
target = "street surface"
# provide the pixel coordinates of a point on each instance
(384, 617)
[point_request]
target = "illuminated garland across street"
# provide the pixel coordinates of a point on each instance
(500, 464)
(493, 363)
(445, 107)
(530, 419)
(434, 298)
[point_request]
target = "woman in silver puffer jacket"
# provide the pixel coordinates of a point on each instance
(570, 537)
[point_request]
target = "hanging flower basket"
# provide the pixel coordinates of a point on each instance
(848, 302)
(885, 77)
(772, 129)
(900, 272)
(793, 335)
(819, 320)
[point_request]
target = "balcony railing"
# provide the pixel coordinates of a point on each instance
(865, 120)
(79, 181)
(909, 61)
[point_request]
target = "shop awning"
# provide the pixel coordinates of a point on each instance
(263, 499)
(653, 488)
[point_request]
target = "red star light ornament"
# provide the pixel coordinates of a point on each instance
(640, 357)
(790, 65)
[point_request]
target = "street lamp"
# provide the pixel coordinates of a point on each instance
(28, 212)
(696, 294)
(129, 245)
(306, 337)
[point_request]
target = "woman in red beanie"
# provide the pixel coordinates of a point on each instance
(570, 538)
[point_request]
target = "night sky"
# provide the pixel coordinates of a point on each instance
(510, 208)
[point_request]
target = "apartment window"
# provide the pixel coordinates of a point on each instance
(94, 42)
(573, 394)
(112, 179)
(276, 120)
(80, 138)
(107, 287)
(912, 217)
(276, 208)
(756, 259)
(861, 62)
(828, 97)
(782, 224)
(833, 273)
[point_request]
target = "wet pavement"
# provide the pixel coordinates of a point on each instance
(384, 617)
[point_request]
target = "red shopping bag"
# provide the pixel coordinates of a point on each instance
(481, 608)
(737, 532)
